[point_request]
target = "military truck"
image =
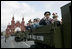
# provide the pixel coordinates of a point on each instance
(48, 36)
(53, 36)
(19, 36)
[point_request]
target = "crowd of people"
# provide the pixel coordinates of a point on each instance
(46, 20)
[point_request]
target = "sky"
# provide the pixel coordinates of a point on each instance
(28, 10)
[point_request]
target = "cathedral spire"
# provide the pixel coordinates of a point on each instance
(13, 18)
(22, 19)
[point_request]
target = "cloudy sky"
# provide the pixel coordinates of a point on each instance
(28, 10)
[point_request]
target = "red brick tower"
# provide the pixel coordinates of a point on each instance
(8, 30)
(12, 25)
(22, 25)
